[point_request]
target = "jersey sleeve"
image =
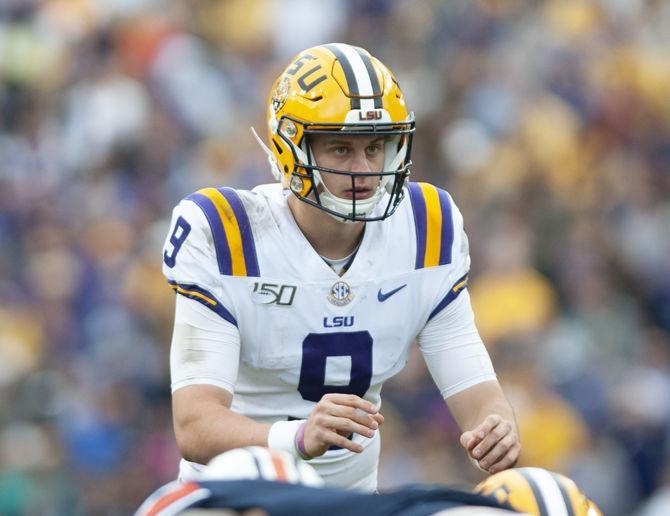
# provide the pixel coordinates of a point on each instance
(441, 242)
(209, 243)
(210, 239)
(453, 350)
(456, 281)
(205, 349)
(449, 341)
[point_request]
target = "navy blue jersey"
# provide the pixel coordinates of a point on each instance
(280, 499)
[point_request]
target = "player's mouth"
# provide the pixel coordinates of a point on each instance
(358, 193)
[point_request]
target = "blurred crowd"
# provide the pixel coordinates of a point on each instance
(549, 122)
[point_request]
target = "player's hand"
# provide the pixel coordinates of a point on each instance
(335, 417)
(493, 445)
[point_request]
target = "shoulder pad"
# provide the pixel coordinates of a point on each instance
(231, 230)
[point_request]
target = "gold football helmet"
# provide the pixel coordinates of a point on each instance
(338, 89)
(538, 491)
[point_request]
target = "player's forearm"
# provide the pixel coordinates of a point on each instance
(205, 426)
(498, 406)
(490, 435)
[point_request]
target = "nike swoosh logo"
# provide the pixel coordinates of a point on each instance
(381, 297)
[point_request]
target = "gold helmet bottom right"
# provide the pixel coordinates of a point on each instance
(538, 491)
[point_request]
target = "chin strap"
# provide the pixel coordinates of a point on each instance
(274, 166)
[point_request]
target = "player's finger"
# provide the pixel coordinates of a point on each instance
(357, 415)
(485, 427)
(471, 438)
(378, 417)
(468, 440)
(498, 451)
(333, 438)
(346, 426)
(319, 439)
(508, 460)
(350, 400)
(491, 439)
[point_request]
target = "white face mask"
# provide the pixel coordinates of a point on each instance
(392, 178)
(349, 210)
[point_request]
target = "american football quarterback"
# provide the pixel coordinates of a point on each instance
(297, 300)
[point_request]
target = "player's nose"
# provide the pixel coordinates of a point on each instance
(360, 162)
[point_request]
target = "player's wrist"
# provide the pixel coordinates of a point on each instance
(284, 435)
(300, 442)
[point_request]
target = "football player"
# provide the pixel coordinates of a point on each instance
(260, 481)
(298, 299)
(272, 482)
(539, 492)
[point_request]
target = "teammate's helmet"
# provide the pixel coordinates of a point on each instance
(538, 491)
(338, 89)
(258, 463)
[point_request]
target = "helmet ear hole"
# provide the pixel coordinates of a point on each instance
(286, 169)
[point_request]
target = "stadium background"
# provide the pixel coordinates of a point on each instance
(549, 122)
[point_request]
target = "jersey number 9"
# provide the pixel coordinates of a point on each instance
(177, 238)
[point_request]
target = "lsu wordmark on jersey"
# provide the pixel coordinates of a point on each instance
(304, 330)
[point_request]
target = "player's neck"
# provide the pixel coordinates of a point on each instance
(328, 236)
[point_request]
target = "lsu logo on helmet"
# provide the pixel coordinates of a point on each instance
(338, 89)
(539, 492)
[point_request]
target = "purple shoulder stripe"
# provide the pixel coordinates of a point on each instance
(246, 233)
(419, 210)
(223, 257)
(447, 237)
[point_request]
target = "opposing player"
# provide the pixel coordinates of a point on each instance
(297, 300)
(277, 483)
(256, 480)
(539, 492)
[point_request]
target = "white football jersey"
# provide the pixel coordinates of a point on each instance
(304, 330)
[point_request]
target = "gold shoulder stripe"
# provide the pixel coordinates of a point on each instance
(231, 228)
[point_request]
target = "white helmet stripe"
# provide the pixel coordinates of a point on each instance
(361, 75)
(264, 463)
(550, 491)
(267, 467)
(564, 492)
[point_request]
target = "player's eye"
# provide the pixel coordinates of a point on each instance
(340, 151)
(374, 149)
